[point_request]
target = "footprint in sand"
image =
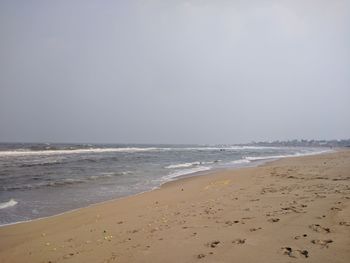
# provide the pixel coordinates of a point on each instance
(295, 253)
(254, 229)
(273, 220)
(322, 243)
(298, 237)
(239, 241)
(200, 256)
(213, 244)
(319, 229)
(230, 223)
(336, 209)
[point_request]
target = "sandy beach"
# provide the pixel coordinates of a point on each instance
(294, 209)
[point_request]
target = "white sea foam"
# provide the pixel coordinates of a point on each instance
(226, 148)
(241, 161)
(75, 151)
(182, 165)
(185, 165)
(258, 158)
(7, 204)
(25, 152)
(173, 175)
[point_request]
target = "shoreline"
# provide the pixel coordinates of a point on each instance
(174, 179)
(241, 209)
(251, 164)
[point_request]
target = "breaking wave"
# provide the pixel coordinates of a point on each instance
(184, 165)
(259, 158)
(75, 151)
(7, 204)
(53, 150)
(171, 176)
(240, 161)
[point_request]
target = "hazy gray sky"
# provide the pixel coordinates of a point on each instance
(155, 71)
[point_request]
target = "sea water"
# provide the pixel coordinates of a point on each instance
(39, 180)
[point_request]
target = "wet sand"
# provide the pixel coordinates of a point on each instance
(290, 210)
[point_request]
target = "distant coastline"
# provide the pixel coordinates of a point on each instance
(303, 143)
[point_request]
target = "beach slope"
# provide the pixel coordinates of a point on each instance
(290, 210)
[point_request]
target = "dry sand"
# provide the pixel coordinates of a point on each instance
(291, 210)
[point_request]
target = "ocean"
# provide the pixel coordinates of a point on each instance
(40, 180)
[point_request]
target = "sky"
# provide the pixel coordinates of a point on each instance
(155, 71)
